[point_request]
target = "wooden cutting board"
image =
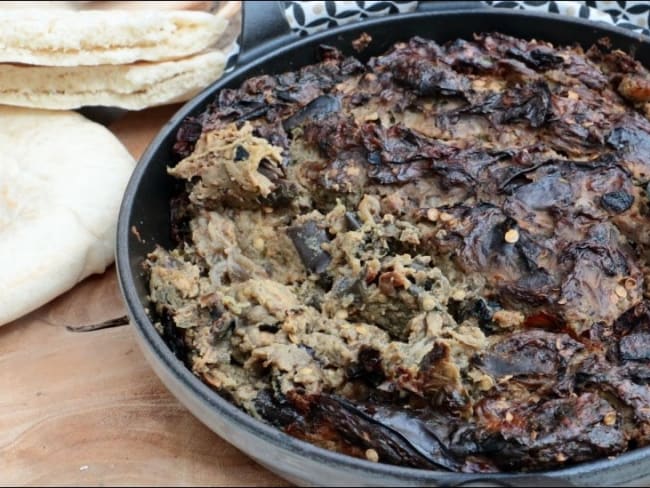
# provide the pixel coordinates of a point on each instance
(86, 409)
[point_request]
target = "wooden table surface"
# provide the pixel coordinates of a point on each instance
(86, 408)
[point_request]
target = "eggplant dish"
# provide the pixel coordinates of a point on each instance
(437, 258)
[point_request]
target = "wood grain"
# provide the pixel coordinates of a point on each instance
(86, 409)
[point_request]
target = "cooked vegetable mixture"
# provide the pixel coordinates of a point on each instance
(438, 258)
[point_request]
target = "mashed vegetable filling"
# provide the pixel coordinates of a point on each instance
(436, 258)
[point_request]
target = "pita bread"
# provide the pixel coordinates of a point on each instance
(61, 183)
(203, 5)
(42, 4)
(132, 87)
(57, 37)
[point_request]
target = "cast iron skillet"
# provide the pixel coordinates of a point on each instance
(267, 46)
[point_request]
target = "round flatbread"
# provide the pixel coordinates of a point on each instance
(91, 37)
(61, 182)
(130, 86)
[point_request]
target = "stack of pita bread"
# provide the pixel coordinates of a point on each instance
(62, 176)
(132, 59)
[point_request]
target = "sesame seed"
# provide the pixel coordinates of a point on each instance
(428, 303)
(620, 291)
(610, 418)
(630, 283)
(511, 236)
(341, 314)
(458, 295)
(446, 217)
(258, 243)
(509, 417)
(433, 214)
(372, 455)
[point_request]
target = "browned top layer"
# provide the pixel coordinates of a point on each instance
(517, 168)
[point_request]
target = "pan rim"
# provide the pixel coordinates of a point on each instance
(210, 399)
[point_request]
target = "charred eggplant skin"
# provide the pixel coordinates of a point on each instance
(436, 258)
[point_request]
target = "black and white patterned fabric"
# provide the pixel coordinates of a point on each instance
(309, 17)
(632, 15)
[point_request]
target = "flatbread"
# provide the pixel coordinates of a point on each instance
(61, 183)
(57, 37)
(131, 87)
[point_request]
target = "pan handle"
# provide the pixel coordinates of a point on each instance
(264, 28)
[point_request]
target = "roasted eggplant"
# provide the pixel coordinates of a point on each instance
(437, 258)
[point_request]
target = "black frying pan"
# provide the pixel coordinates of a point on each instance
(267, 46)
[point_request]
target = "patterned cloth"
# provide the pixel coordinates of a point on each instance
(309, 17)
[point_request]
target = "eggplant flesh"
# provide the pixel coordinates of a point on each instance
(437, 258)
